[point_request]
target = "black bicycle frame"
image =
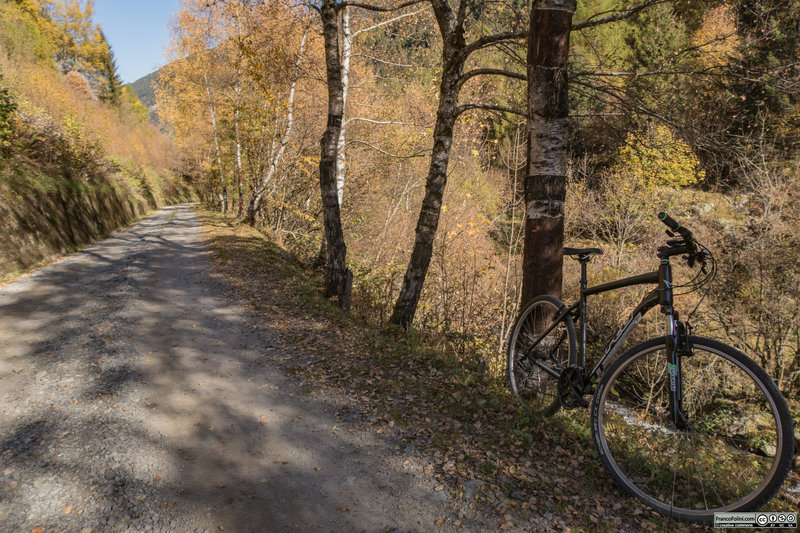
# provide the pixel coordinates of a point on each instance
(662, 295)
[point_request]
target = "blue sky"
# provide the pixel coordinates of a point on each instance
(137, 31)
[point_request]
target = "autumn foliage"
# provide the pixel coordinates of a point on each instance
(668, 110)
(70, 133)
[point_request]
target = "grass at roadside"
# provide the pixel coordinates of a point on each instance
(452, 412)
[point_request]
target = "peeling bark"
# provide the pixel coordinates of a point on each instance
(545, 182)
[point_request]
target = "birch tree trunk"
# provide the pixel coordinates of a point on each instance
(213, 110)
(453, 58)
(546, 181)
(277, 153)
(347, 46)
(238, 143)
(338, 279)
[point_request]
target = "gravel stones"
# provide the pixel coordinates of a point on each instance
(136, 396)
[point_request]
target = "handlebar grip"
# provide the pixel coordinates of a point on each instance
(674, 226)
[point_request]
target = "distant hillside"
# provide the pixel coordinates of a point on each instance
(143, 88)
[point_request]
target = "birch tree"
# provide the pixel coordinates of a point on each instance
(338, 279)
(546, 175)
(456, 51)
(280, 138)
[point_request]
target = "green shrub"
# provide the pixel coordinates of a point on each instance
(7, 108)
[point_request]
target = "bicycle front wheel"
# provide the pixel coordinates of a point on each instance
(732, 455)
(539, 349)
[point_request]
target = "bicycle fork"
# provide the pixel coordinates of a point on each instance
(674, 332)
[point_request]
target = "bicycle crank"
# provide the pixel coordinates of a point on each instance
(570, 388)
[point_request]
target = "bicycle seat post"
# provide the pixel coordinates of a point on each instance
(584, 278)
(584, 261)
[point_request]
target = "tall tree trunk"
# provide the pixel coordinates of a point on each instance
(546, 181)
(453, 63)
(237, 140)
(213, 110)
(277, 153)
(347, 43)
(338, 279)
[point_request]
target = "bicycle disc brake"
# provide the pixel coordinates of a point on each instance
(570, 388)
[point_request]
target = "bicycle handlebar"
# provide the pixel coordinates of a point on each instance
(686, 245)
(674, 226)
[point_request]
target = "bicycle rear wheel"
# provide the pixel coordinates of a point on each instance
(736, 452)
(535, 340)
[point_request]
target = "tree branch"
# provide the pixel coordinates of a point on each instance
(384, 122)
(500, 109)
(489, 40)
(499, 72)
(370, 7)
(390, 63)
(423, 153)
(384, 23)
(621, 15)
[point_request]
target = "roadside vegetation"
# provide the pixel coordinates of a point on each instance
(687, 107)
(448, 411)
(78, 158)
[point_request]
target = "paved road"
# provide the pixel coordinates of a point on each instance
(135, 396)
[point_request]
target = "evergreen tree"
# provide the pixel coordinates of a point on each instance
(108, 77)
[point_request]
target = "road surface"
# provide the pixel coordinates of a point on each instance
(136, 396)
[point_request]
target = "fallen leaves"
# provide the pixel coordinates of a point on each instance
(458, 418)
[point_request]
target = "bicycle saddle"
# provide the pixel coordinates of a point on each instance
(582, 252)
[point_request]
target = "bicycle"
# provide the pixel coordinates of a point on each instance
(686, 424)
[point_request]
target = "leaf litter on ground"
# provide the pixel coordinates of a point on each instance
(466, 429)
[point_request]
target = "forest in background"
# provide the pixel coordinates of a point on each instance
(78, 157)
(688, 106)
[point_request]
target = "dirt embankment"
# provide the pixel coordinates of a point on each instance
(47, 212)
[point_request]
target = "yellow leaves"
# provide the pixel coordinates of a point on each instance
(717, 39)
(654, 158)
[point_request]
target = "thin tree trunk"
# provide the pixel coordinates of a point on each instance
(337, 277)
(453, 63)
(452, 67)
(237, 140)
(347, 43)
(545, 182)
(213, 110)
(514, 160)
(277, 155)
